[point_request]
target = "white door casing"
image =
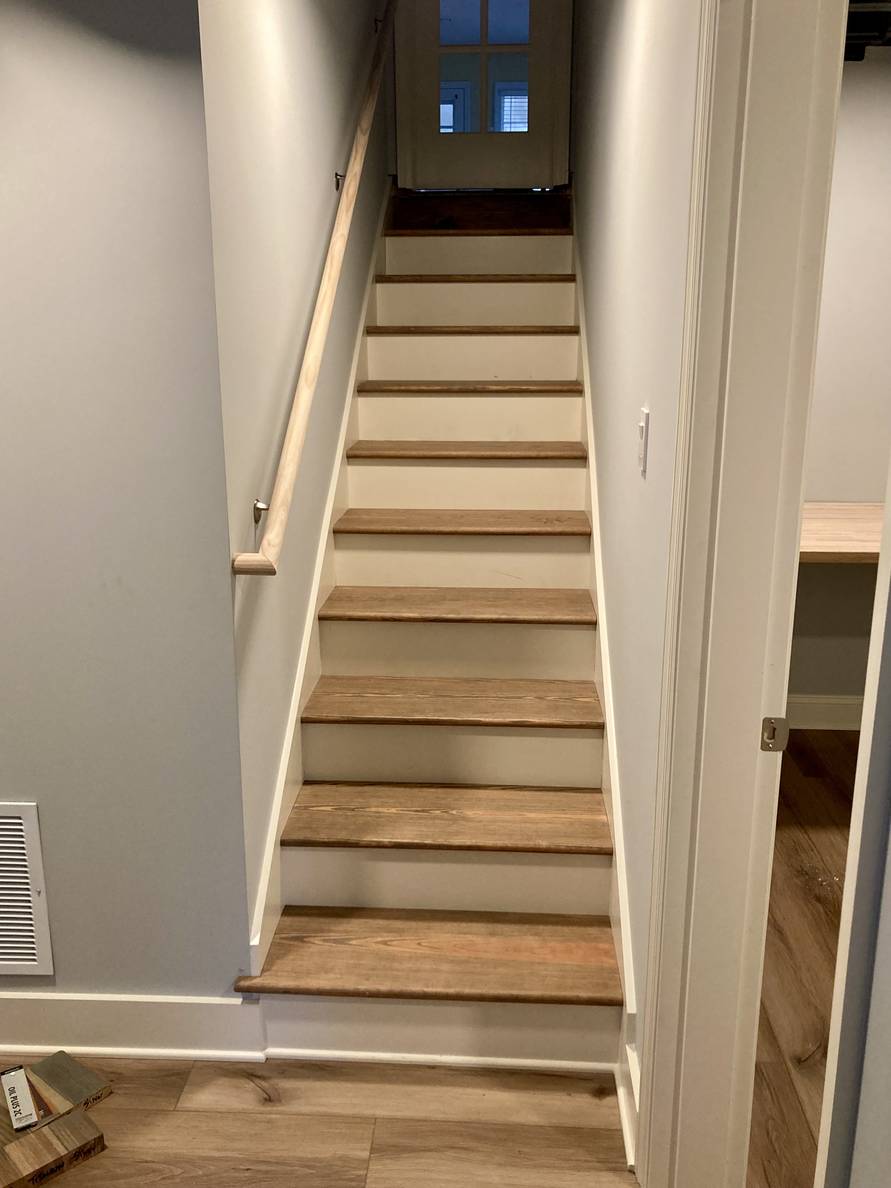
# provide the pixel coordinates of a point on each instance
(769, 85)
(428, 158)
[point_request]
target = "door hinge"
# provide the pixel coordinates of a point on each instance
(774, 734)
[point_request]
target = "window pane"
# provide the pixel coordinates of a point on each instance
(508, 93)
(509, 22)
(459, 22)
(459, 92)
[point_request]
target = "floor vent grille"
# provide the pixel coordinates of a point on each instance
(24, 923)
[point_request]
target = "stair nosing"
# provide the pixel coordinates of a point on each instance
(395, 450)
(353, 527)
(588, 619)
(460, 387)
(472, 331)
(475, 278)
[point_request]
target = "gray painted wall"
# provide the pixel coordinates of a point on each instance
(633, 135)
(849, 433)
(283, 82)
(118, 675)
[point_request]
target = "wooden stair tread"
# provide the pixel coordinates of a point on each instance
(463, 956)
(490, 331)
(453, 817)
(841, 533)
(454, 701)
(533, 451)
(458, 604)
(518, 232)
(462, 522)
(474, 278)
(463, 387)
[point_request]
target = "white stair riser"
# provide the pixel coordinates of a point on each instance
(452, 755)
(479, 253)
(521, 650)
(483, 357)
(434, 1032)
(446, 880)
(551, 562)
(485, 303)
(491, 484)
(476, 417)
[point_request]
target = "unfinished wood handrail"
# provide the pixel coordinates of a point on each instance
(265, 561)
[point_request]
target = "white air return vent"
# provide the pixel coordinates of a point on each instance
(24, 924)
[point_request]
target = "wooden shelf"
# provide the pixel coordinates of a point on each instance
(841, 533)
(455, 701)
(458, 604)
(459, 522)
(476, 451)
(450, 817)
(462, 956)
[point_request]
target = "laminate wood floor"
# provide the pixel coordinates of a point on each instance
(286, 1124)
(813, 819)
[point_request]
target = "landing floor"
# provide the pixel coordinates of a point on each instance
(805, 902)
(316, 1125)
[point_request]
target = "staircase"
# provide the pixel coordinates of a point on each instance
(450, 840)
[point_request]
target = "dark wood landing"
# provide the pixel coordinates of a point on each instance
(474, 278)
(468, 331)
(462, 956)
(450, 817)
(498, 212)
(465, 387)
(455, 701)
(458, 604)
(460, 522)
(478, 451)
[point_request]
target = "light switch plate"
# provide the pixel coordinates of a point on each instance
(643, 440)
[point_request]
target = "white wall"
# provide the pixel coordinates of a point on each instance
(635, 77)
(283, 81)
(117, 677)
(849, 435)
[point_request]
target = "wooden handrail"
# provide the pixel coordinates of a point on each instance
(265, 561)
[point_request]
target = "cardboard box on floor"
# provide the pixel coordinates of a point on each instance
(64, 1136)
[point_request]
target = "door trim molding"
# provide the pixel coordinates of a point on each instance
(769, 80)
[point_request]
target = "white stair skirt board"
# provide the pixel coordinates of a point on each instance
(130, 1024)
(522, 650)
(481, 357)
(819, 711)
(452, 755)
(501, 1033)
(483, 416)
(485, 303)
(447, 880)
(396, 560)
(512, 485)
(479, 253)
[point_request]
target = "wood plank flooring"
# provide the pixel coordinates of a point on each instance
(500, 451)
(459, 522)
(288, 1124)
(805, 903)
(455, 701)
(459, 604)
(428, 816)
(461, 956)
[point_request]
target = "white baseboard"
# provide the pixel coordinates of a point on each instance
(148, 1026)
(819, 711)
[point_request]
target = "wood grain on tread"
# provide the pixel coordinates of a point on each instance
(841, 533)
(459, 522)
(462, 956)
(464, 387)
(471, 278)
(514, 232)
(455, 701)
(531, 451)
(455, 817)
(490, 331)
(458, 604)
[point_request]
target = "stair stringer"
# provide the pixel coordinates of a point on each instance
(267, 907)
(627, 1060)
